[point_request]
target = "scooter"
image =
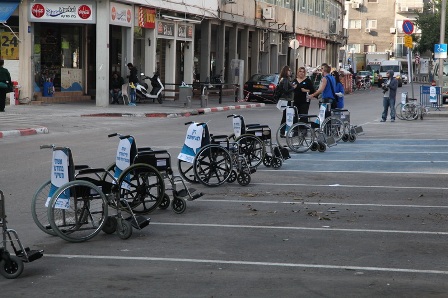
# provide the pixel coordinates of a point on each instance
(141, 90)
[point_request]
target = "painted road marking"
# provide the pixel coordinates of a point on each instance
(211, 261)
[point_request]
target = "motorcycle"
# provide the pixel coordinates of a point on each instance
(141, 90)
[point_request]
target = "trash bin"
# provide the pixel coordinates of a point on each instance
(185, 95)
(48, 89)
(16, 91)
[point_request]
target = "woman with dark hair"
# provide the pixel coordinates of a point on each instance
(339, 91)
(286, 90)
(305, 85)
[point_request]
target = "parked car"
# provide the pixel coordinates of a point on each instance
(404, 78)
(261, 87)
(361, 75)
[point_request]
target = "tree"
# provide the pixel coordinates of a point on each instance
(428, 21)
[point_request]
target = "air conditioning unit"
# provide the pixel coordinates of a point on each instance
(355, 5)
(393, 30)
(367, 30)
(404, 8)
(269, 13)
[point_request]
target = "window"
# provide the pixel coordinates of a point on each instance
(372, 1)
(355, 24)
(371, 24)
(303, 5)
(355, 46)
(369, 48)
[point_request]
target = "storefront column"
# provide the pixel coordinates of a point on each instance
(26, 77)
(255, 52)
(127, 47)
(205, 49)
(233, 47)
(188, 62)
(170, 65)
(220, 49)
(102, 54)
(150, 52)
(245, 52)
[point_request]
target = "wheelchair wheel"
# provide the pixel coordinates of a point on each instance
(252, 148)
(352, 138)
(345, 137)
(300, 137)
(243, 178)
(314, 146)
(110, 226)
(86, 211)
(334, 127)
(232, 177)
(178, 205)
(281, 137)
(277, 162)
(321, 147)
(267, 160)
(186, 171)
(142, 186)
(38, 209)
(165, 202)
(124, 229)
(409, 111)
(11, 268)
(212, 165)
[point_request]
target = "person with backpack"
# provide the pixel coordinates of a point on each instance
(327, 88)
(286, 91)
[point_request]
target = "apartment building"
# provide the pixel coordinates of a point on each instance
(377, 26)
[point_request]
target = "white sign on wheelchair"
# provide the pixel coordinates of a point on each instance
(290, 112)
(192, 144)
(237, 126)
(322, 109)
(123, 160)
(59, 176)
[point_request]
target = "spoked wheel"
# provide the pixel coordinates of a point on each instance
(77, 211)
(124, 229)
(186, 171)
(334, 127)
(252, 148)
(178, 205)
(399, 111)
(300, 137)
(410, 111)
(142, 186)
(243, 178)
(267, 160)
(110, 226)
(12, 267)
(281, 137)
(232, 177)
(277, 162)
(212, 165)
(39, 210)
(165, 202)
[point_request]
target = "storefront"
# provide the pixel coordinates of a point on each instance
(61, 44)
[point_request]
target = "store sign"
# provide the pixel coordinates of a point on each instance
(165, 29)
(184, 31)
(9, 46)
(62, 13)
(147, 17)
(121, 14)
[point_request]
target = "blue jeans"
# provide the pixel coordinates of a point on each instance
(115, 95)
(132, 95)
(388, 103)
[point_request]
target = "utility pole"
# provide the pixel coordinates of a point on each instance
(442, 41)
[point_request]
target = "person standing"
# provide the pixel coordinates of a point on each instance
(304, 86)
(287, 91)
(327, 88)
(390, 94)
(133, 81)
(5, 78)
(339, 91)
(115, 87)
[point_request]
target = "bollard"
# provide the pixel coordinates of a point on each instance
(187, 104)
(204, 101)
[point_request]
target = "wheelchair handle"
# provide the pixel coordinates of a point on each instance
(112, 135)
(47, 146)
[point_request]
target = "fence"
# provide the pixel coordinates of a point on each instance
(431, 96)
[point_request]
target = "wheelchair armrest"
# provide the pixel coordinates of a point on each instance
(144, 149)
(81, 167)
(91, 171)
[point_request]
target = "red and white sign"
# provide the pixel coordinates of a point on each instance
(62, 13)
(121, 14)
(147, 17)
(417, 59)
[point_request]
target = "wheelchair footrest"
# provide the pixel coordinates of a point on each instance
(32, 255)
(357, 130)
(195, 196)
(183, 192)
(330, 141)
(141, 221)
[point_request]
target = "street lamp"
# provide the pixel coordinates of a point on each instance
(352, 51)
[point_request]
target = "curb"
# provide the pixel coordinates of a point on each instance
(23, 132)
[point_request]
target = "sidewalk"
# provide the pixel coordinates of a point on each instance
(168, 109)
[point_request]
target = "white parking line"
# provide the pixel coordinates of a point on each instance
(362, 172)
(300, 228)
(359, 268)
(352, 186)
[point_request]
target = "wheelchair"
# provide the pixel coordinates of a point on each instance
(273, 157)
(217, 160)
(77, 210)
(11, 265)
(338, 126)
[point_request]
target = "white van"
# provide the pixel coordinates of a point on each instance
(394, 65)
(444, 82)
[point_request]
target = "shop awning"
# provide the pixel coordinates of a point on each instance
(7, 9)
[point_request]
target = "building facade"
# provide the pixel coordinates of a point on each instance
(78, 44)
